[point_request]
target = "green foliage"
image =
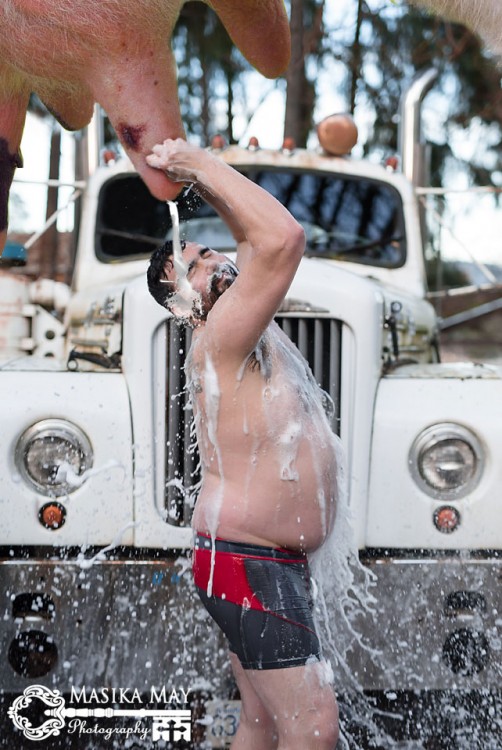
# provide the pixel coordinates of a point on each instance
(209, 67)
(396, 42)
(382, 44)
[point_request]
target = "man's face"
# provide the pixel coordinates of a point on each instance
(209, 273)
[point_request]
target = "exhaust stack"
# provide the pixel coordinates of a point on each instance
(411, 146)
(90, 144)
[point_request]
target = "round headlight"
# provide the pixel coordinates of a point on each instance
(52, 455)
(446, 461)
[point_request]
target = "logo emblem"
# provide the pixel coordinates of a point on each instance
(166, 724)
(55, 709)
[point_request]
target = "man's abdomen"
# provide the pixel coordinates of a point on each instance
(252, 502)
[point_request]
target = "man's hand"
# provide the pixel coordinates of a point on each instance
(181, 161)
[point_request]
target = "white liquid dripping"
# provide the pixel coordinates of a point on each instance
(186, 298)
(66, 472)
(342, 602)
(341, 584)
(180, 266)
(87, 562)
(213, 395)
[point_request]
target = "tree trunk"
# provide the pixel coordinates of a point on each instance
(300, 95)
(230, 104)
(205, 114)
(49, 240)
(355, 63)
(296, 80)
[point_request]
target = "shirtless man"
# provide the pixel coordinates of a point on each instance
(267, 453)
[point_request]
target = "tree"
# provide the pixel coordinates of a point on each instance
(390, 45)
(209, 89)
(307, 35)
(209, 67)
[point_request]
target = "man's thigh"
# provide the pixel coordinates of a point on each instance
(294, 692)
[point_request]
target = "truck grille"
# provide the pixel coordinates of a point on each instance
(318, 339)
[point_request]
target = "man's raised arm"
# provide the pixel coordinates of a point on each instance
(253, 215)
(270, 242)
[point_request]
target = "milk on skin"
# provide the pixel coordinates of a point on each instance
(271, 457)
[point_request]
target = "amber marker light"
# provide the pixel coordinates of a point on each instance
(218, 142)
(288, 145)
(109, 156)
(446, 519)
(52, 515)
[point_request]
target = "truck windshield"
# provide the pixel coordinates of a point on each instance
(344, 217)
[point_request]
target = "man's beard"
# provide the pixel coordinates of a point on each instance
(222, 279)
(217, 284)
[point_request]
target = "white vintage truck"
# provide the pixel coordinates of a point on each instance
(97, 466)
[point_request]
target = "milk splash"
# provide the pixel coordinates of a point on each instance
(66, 472)
(344, 608)
(186, 299)
(84, 563)
(342, 599)
(341, 584)
(213, 396)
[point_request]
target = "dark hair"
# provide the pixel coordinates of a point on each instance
(158, 286)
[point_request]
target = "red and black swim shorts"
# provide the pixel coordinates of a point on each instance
(260, 598)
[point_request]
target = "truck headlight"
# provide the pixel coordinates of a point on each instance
(52, 456)
(446, 461)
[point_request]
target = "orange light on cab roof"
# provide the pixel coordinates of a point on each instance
(217, 141)
(288, 144)
(392, 163)
(446, 519)
(109, 156)
(337, 134)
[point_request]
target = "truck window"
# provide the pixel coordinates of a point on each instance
(344, 217)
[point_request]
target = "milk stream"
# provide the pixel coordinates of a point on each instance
(179, 264)
(66, 472)
(87, 562)
(185, 299)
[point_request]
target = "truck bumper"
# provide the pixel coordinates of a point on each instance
(437, 624)
(126, 623)
(139, 625)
